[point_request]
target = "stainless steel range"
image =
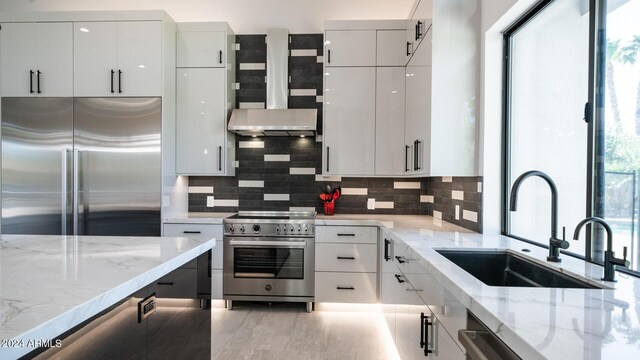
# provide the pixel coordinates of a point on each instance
(269, 256)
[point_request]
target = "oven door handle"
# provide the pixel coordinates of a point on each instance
(267, 243)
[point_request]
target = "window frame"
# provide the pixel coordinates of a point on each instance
(593, 116)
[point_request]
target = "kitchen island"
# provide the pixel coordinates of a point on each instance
(49, 285)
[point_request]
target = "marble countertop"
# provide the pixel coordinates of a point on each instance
(197, 218)
(537, 323)
(49, 284)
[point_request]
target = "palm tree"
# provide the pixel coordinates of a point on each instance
(629, 55)
(613, 55)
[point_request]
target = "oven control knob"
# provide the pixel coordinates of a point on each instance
(278, 229)
(306, 229)
(284, 228)
(268, 287)
(292, 229)
(256, 228)
(299, 229)
(242, 228)
(232, 228)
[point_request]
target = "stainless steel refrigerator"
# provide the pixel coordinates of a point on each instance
(83, 166)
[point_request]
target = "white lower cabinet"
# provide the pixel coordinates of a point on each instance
(203, 232)
(343, 287)
(216, 286)
(346, 257)
(420, 313)
(346, 264)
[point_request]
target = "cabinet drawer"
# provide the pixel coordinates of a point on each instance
(347, 234)
(195, 231)
(180, 283)
(345, 287)
(346, 257)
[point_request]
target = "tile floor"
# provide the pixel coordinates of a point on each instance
(259, 331)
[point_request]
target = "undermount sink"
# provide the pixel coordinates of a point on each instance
(503, 268)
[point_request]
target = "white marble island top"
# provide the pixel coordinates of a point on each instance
(49, 284)
(537, 323)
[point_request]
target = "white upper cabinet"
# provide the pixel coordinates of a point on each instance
(205, 94)
(391, 49)
(36, 59)
(140, 58)
(201, 49)
(349, 121)
(350, 48)
(391, 157)
(418, 112)
(117, 58)
(201, 121)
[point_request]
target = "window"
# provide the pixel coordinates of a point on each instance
(549, 67)
(622, 127)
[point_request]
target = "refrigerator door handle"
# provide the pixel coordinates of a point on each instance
(76, 192)
(65, 189)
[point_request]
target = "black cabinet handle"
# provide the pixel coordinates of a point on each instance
(346, 258)
(401, 259)
(165, 283)
(119, 81)
(387, 242)
(31, 81)
(417, 33)
(112, 73)
(219, 158)
(328, 56)
(327, 159)
(39, 74)
(418, 142)
(415, 155)
(192, 232)
(425, 322)
(341, 234)
(419, 26)
(406, 158)
(345, 288)
(399, 278)
(408, 44)
(220, 54)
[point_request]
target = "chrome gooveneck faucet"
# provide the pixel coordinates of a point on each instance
(610, 261)
(555, 244)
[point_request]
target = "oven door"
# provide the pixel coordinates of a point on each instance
(268, 266)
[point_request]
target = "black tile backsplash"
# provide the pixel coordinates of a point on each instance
(293, 181)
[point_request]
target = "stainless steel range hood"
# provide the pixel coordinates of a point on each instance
(276, 119)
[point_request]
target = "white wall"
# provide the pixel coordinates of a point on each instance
(244, 16)
(497, 15)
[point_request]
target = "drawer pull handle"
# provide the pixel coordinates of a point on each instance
(192, 232)
(399, 278)
(346, 234)
(165, 283)
(346, 258)
(387, 242)
(345, 288)
(401, 259)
